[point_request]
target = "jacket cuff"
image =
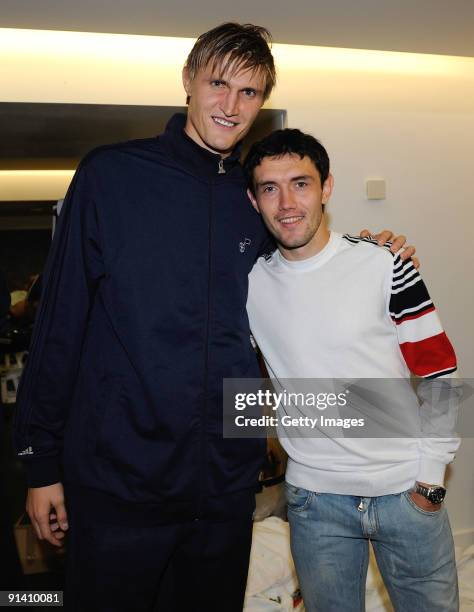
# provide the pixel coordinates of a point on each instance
(42, 472)
(431, 471)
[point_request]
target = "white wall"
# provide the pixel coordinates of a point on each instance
(406, 118)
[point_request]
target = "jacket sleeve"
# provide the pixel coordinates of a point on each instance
(71, 276)
(429, 355)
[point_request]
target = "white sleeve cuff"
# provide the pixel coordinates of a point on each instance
(431, 471)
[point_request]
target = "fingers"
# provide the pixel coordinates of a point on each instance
(408, 252)
(31, 513)
(36, 527)
(384, 237)
(381, 237)
(54, 525)
(398, 242)
(45, 528)
(61, 515)
(46, 509)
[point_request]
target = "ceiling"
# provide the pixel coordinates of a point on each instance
(421, 26)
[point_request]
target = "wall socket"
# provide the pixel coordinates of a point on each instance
(376, 189)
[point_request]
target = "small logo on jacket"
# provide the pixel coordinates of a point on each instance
(27, 451)
(244, 244)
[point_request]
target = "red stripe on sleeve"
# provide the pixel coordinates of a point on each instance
(409, 317)
(429, 355)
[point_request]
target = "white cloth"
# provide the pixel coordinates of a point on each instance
(272, 584)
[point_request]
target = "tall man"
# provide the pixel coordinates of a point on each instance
(326, 306)
(143, 315)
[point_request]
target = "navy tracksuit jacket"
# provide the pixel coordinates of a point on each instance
(142, 316)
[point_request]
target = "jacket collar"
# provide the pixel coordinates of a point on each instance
(190, 155)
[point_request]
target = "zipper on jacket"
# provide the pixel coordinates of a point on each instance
(203, 440)
(221, 170)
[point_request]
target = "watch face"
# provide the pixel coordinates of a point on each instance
(437, 495)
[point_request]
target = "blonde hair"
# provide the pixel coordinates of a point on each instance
(235, 46)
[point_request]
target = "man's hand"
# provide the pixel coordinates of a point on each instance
(423, 503)
(398, 242)
(46, 509)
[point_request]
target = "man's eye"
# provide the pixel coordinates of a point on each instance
(268, 189)
(217, 83)
(250, 93)
(301, 184)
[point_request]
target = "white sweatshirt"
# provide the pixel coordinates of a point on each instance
(353, 311)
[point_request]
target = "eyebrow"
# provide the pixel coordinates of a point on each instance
(294, 179)
(303, 177)
(218, 78)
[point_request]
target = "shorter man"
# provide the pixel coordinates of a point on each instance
(328, 306)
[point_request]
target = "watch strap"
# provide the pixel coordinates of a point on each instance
(428, 492)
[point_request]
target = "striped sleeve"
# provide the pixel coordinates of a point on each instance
(425, 347)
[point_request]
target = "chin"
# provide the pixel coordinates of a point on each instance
(292, 245)
(223, 148)
(226, 144)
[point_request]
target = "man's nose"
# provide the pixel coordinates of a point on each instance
(229, 104)
(287, 201)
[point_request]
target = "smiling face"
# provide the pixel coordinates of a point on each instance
(222, 106)
(289, 196)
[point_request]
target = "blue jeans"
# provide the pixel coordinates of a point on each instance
(330, 545)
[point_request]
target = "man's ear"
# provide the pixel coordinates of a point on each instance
(327, 188)
(187, 80)
(253, 200)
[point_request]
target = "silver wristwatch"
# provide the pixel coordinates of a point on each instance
(434, 494)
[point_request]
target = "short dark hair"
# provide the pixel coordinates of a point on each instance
(241, 46)
(285, 142)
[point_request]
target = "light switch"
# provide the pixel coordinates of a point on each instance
(375, 189)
